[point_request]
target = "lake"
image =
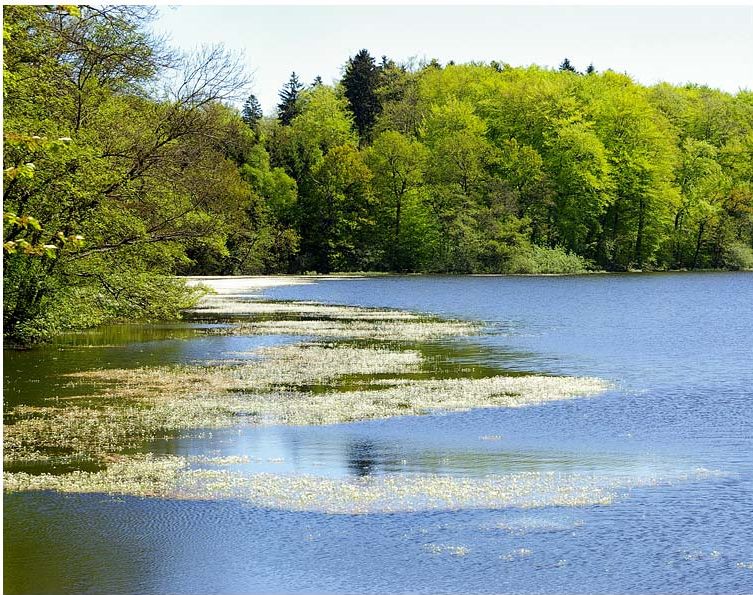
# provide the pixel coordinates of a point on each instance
(645, 487)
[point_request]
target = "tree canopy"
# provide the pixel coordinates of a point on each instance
(115, 182)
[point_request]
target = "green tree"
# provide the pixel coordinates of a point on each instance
(360, 83)
(642, 154)
(138, 193)
(323, 124)
(457, 173)
(566, 66)
(288, 107)
(397, 163)
(252, 112)
(579, 171)
(343, 205)
(521, 169)
(399, 96)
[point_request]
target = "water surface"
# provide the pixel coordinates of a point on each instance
(678, 348)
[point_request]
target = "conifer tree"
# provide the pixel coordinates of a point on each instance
(566, 66)
(288, 108)
(386, 63)
(591, 69)
(252, 112)
(360, 82)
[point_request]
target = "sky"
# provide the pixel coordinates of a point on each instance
(679, 44)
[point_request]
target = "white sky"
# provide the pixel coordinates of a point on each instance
(679, 44)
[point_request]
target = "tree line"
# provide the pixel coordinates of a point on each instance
(484, 167)
(125, 163)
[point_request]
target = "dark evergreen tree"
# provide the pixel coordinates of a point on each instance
(288, 109)
(590, 69)
(317, 81)
(386, 63)
(566, 66)
(361, 81)
(252, 112)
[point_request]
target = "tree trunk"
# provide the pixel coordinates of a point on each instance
(699, 239)
(639, 237)
(677, 243)
(615, 223)
(398, 253)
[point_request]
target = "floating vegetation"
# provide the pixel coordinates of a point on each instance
(291, 384)
(379, 330)
(174, 477)
(281, 366)
(221, 461)
(241, 305)
(176, 399)
(146, 475)
(73, 433)
(267, 391)
(141, 404)
(460, 394)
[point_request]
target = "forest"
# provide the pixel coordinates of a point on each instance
(127, 164)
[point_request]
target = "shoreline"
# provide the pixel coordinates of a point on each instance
(378, 274)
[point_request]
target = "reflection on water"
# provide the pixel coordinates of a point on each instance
(358, 450)
(678, 348)
(361, 457)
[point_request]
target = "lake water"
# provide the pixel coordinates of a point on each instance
(675, 433)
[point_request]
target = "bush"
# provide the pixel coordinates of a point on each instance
(131, 297)
(738, 256)
(538, 260)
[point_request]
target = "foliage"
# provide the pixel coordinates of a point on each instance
(360, 83)
(252, 112)
(92, 208)
(464, 168)
(288, 107)
(119, 297)
(539, 260)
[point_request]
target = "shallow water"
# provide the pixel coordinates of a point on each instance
(678, 348)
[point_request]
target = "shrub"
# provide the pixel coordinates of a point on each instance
(538, 260)
(738, 256)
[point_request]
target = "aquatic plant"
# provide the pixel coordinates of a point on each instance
(281, 366)
(385, 330)
(174, 477)
(144, 475)
(130, 407)
(141, 404)
(242, 305)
